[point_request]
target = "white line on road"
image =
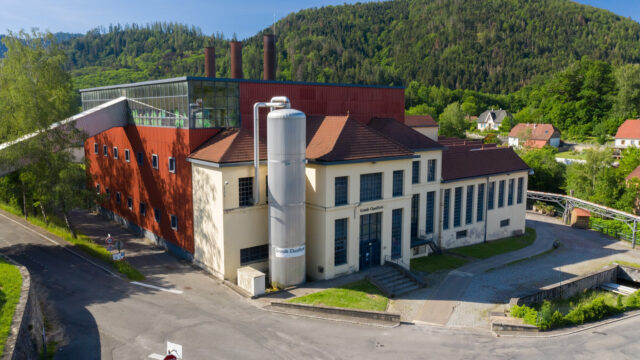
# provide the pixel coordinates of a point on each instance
(173, 291)
(64, 247)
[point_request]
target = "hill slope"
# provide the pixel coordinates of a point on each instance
(494, 46)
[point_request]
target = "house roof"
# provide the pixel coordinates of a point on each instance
(542, 132)
(419, 121)
(329, 139)
(403, 134)
(496, 115)
(480, 162)
(581, 212)
(630, 129)
(635, 174)
(452, 141)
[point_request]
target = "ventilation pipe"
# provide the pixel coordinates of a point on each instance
(269, 45)
(277, 102)
(236, 60)
(210, 62)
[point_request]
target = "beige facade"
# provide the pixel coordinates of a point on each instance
(222, 227)
(499, 222)
(429, 131)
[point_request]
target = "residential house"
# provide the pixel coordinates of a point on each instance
(424, 124)
(534, 135)
(628, 134)
(492, 119)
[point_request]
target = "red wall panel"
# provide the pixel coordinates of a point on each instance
(169, 192)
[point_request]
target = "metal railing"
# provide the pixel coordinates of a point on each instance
(568, 203)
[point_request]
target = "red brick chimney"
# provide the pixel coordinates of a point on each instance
(210, 61)
(236, 60)
(269, 44)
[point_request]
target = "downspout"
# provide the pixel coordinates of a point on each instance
(486, 208)
(277, 102)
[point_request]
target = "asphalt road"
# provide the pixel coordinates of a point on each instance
(105, 317)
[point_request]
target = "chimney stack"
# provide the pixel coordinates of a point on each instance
(269, 42)
(236, 60)
(210, 61)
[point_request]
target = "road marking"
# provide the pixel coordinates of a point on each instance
(157, 356)
(173, 291)
(64, 247)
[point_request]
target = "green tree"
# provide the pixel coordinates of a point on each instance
(422, 109)
(548, 174)
(452, 121)
(596, 180)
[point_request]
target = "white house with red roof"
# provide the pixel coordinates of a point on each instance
(628, 134)
(534, 135)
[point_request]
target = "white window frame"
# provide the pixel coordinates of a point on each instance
(157, 160)
(127, 155)
(171, 218)
(174, 165)
(115, 152)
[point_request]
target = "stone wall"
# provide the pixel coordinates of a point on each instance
(569, 288)
(25, 336)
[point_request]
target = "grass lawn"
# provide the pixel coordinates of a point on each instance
(571, 155)
(497, 247)
(82, 242)
(433, 263)
(356, 295)
(626, 263)
(10, 286)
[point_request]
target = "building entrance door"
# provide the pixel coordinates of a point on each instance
(370, 233)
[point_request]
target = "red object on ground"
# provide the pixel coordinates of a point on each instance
(170, 357)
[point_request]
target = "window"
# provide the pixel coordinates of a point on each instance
(105, 150)
(520, 189)
(157, 214)
(480, 204)
(115, 152)
(174, 221)
(127, 155)
(95, 148)
(398, 179)
(491, 195)
(504, 222)
(118, 197)
(172, 165)
(98, 189)
(461, 234)
(510, 193)
(140, 158)
(154, 161)
(254, 254)
(415, 212)
(431, 204)
(457, 207)
(415, 172)
(431, 170)
(396, 233)
(469, 210)
(340, 242)
(108, 192)
(130, 203)
(501, 194)
(370, 187)
(445, 210)
(143, 209)
(341, 190)
(245, 191)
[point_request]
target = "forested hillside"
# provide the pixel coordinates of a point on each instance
(494, 46)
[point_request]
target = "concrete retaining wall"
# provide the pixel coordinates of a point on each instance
(569, 288)
(628, 273)
(25, 336)
(366, 314)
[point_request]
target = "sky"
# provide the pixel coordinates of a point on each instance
(242, 17)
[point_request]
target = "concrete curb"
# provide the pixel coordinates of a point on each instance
(319, 316)
(23, 341)
(551, 334)
(351, 313)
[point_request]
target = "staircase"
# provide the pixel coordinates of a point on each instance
(393, 280)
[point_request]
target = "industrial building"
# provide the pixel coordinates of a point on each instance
(340, 184)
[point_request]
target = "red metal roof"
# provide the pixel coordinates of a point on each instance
(419, 121)
(630, 129)
(542, 132)
(403, 134)
(329, 139)
(480, 162)
(581, 212)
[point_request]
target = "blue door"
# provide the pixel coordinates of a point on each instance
(370, 233)
(396, 234)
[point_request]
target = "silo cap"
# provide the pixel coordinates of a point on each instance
(286, 114)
